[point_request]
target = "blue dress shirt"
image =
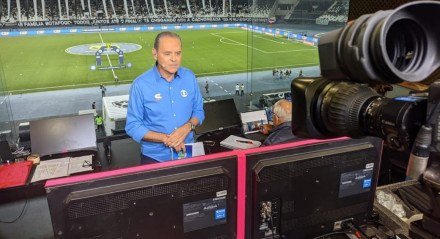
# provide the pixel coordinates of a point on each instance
(161, 106)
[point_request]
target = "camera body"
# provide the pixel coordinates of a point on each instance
(386, 47)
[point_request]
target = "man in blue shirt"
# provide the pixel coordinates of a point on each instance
(165, 103)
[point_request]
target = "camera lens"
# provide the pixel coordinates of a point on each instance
(342, 105)
(356, 110)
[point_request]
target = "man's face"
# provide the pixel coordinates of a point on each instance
(168, 55)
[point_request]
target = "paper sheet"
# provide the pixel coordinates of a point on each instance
(54, 168)
(80, 164)
(197, 149)
(235, 142)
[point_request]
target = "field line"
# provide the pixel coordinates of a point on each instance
(108, 58)
(264, 38)
(274, 52)
(66, 86)
(238, 43)
(258, 69)
(128, 81)
(266, 52)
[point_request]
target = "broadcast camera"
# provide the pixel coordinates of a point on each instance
(386, 47)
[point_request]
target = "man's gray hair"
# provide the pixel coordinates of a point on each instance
(283, 109)
(165, 34)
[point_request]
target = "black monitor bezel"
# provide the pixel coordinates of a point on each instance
(199, 130)
(37, 130)
(261, 159)
(226, 165)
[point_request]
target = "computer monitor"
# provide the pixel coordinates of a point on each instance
(190, 200)
(307, 191)
(221, 114)
(63, 135)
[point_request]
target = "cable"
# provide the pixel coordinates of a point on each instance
(19, 150)
(270, 224)
(329, 234)
(359, 232)
(21, 213)
(375, 223)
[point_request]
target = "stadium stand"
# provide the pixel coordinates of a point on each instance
(307, 11)
(24, 13)
(335, 15)
(50, 10)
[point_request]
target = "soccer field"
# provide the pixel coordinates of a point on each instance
(40, 63)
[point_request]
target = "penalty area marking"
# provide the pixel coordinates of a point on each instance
(266, 52)
(222, 40)
(264, 38)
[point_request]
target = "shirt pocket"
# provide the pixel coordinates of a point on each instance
(155, 108)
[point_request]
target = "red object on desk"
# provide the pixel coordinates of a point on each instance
(15, 174)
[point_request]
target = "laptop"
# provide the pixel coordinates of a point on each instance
(251, 122)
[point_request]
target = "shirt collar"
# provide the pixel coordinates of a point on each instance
(285, 124)
(159, 77)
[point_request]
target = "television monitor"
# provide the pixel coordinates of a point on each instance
(219, 115)
(53, 136)
(307, 191)
(190, 200)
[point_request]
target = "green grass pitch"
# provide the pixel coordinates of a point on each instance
(40, 63)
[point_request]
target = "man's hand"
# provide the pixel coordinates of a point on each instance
(180, 147)
(266, 128)
(177, 138)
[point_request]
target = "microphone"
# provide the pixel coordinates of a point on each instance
(418, 159)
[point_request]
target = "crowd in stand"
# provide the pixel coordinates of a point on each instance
(130, 9)
(338, 13)
(321, 10)
(310, 10)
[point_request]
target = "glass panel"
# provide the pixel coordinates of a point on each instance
(284, 36)
(7, 130)
(54, 66)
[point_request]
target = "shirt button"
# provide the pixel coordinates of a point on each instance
(171, 87)
(174, 115)
(175, 127)
(172, 101)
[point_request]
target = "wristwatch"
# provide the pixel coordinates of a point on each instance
(192, 126)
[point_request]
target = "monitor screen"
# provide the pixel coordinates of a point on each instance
(251, 121)
(62, 135)
(193, 200)
(305, 192)
(221, 114)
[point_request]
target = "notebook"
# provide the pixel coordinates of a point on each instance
(235, 142)
(251, 122)
(192, 150)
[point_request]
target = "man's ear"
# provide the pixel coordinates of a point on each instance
(275, 119)
(154, 52)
